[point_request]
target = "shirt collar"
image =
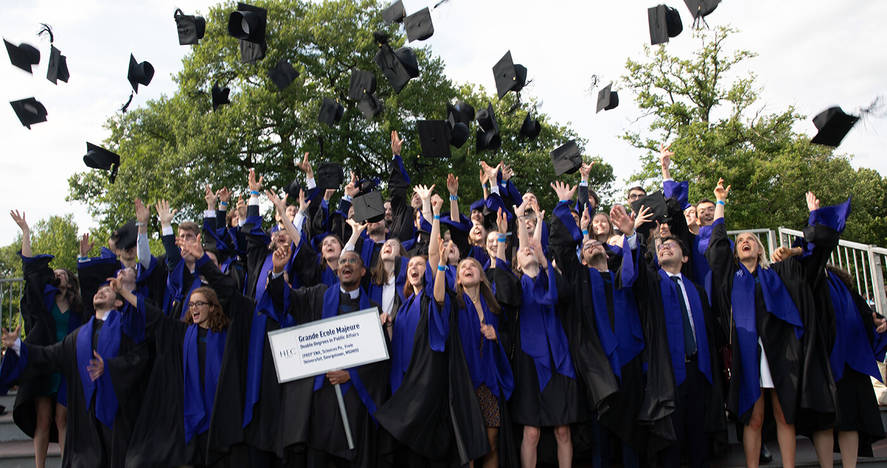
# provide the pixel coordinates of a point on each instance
(352, 294)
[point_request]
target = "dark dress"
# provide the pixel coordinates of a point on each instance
(99, 424)
(546, 391)
(43, 326)
(159, 437)
(767, 314)
(367, 387)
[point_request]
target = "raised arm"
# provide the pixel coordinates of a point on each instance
(288, 224)
(172, 252)
(143, 216)
(434, 242)
(665, 155)
(19, 218)
(453, 188)
(440, 275)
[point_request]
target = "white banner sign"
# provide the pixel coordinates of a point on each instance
(339, 342)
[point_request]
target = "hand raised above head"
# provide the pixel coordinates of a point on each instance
(396, 143)
(452, 184)
(812, 202)
(19, 218)
(563, 191)
(254, 184)
(722, 192)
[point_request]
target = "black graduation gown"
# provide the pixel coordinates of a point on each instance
(40, 329)
(417, 414)
(589, 359)
(84, 445)
(804, 279)
(660, 394)
(326, 434)
(781, 344)
(559, 403)
(158, 439)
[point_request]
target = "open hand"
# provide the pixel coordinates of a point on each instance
(563, 191)
(9, 337)
(280, 258)
(96, 366)
(396, 143)
(19, 218)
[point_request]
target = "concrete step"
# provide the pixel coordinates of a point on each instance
(9, 431)
(20, 454)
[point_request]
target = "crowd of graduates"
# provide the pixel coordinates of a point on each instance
(629, 338)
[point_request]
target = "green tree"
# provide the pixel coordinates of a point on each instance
(712, 115)
(56, 236)
(175, 145)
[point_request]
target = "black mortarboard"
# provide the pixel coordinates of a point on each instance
(566, 158)
(369, 106)
(665, 22)
(488, 133)
(330, 112)
(362, 83)
(509, 77)
(23, 55)
(397, 66)
(58, 66)
(29, 111)
(607, 99)
(833, 125)
(248, 24)
(418, 25)
(140, 73)
(369, 207)
(701, 8)
(394, 13)
(656, 203)
(126, 236)
(459, 133)
(530, 128)
(283, 74)
(434, 137)
(460, 112)
(97, 157)
(329, 175)
(292, 189)
(191, 27)
(220, 96)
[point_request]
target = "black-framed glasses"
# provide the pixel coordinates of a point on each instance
(197, 304)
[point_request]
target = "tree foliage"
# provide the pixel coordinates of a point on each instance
(175, 145)
(711, 115)
(55, 236)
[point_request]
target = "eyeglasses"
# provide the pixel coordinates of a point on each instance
(349, 261)
(667, 245)
(197, 304)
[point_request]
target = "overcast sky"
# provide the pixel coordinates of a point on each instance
(812, 54)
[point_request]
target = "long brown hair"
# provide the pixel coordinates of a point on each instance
(72, 293)
(407, 287)
(485, 289)
(377, 272)
(217, 320)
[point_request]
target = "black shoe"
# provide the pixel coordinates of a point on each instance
(765, 455)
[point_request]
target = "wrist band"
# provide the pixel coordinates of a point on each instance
(454, 197)
(502, 238)
(82, 257)
(254, 192)
(437, 217)
(585, 232)
(138, 224)
(223, 203)
(564, 201)
(721, 202)
(583, 182)
(441, 268)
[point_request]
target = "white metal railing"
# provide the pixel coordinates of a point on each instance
(11, 290)
(866, 263)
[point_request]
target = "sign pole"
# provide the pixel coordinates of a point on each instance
(344, 416)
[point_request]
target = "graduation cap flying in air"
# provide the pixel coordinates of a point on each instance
(248, 24)
(607, 99)
(97, 157)
(191, 28)
(665, 22)
(399, 66)
(29, 111)
(140, 73)
(331, 112)
(833, 125)
(23, 56)
(220, 96)
(283, 74)
(57, 69)
(509, 76)
(362, 88)
(488, 137)
(700, 9)
(459, 118)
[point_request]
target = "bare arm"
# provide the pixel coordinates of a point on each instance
(434, 243)
(453, 188)
(440, 276)
(288, 225)
(19, 219)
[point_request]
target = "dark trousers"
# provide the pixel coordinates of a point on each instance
(689, 422)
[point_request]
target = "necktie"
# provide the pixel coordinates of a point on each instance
(689, 338)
